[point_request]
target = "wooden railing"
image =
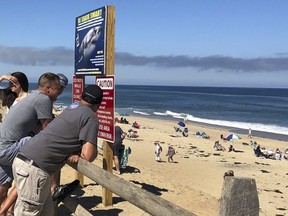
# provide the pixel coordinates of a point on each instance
(141, 198)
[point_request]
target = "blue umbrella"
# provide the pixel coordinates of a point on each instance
(181, 124)
(232, 136)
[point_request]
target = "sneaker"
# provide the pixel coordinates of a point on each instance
(62, 191)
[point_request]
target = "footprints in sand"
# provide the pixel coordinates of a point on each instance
(193, 150)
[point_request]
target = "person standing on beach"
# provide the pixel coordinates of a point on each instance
(250, 133)
(170, 154)
(73, 134)
(158, 150)
(26, 119)
(119, 136)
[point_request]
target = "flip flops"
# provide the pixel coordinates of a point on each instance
(62, 191)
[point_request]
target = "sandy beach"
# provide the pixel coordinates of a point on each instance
(194, 181)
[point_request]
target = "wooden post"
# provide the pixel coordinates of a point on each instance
(109, 70)
(141, 198)
(80, 177)
(239, 197)
(108, 166)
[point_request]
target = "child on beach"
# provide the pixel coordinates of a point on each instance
(158, 150)
(170, 154)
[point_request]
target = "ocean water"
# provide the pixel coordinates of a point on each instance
(261, 109)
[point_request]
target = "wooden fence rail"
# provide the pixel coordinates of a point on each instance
(141, 198)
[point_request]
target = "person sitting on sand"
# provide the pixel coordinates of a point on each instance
(132, 134)
(205, 136)
(278, 154)
(231, 148)
(219, 147)
(185, 132)
(258, 152)
(135, 125)
(177, 129)
(270, 153)
(170, 154)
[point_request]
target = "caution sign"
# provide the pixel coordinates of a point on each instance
(106, 110)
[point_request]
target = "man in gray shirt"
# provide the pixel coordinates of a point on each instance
(71, 135)
(24, 120)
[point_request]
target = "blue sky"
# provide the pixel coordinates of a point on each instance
(193, 43)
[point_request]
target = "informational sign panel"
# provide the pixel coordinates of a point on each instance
(106, 110)
(90, 41)
(77, 88)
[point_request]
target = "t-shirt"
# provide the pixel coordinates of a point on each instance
(23, 119)
(62, 137)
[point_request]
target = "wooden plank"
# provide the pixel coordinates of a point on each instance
(141, 198)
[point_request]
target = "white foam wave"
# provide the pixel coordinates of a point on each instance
(242, 125)
(160, 114)
(141, 113)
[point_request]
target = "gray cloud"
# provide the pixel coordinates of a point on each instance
(35, 56)
(210, 62)
(64, 56)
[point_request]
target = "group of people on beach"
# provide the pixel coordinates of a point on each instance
(170, 152)
(34, 145)
(269, 153)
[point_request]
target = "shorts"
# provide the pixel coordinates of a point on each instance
(34, 190)
(116, 148)
(7, 155)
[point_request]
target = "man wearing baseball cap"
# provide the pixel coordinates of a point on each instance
(71, 135)
(63, 82)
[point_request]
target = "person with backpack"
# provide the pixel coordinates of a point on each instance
(158, 150)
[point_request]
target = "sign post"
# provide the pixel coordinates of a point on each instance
(109, 70)
(94, 55)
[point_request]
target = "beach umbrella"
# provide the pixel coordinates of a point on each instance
(181, 124)
(232, 136)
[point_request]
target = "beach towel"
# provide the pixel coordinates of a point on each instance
(124, 154)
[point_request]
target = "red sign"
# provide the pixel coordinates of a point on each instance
(106, 109)
(78, 85)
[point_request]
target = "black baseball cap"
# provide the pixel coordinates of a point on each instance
(92, 94)
(63, 80)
